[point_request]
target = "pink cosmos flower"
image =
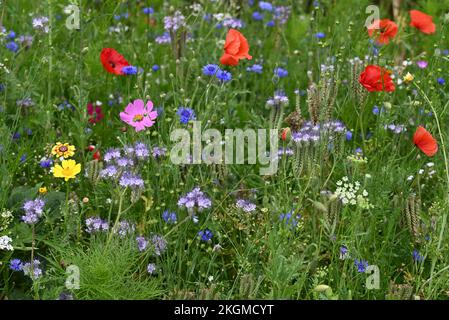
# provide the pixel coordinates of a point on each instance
(422, 64)
(138, 115)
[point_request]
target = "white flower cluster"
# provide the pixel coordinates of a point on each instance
(5, 243)
(6, 218)
(350, 193)
(426, 172)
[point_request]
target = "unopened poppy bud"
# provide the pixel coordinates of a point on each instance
(286, 134)
(91, 148)
(97, 155)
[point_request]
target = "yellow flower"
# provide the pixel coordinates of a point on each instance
(68, 170)
(408, 77)
(43, 190)
(63, 150)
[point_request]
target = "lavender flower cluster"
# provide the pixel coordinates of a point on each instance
(279, 99)
(245, 205)
(395, 128)
(33, 210)
(195, 198)
(124, 228)
(96, 224)
(313, 133)
(175, 22)
(34, 271)
(157, 242)
(122, 163)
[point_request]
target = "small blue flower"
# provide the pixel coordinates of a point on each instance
(376, 110)
(16, 136)
(257, 16)
(11, 35)
(155, 68)
(320, 35)
(280, 72)
(270, 23)
(210, 69)
(46, 163)
(185, 115)
(256, 68)
(344, 253)
(224, 76)
(361, 265)
(441, 81)
(129, 70)
(12, 46)
(148, 10)
(289, 219)
(265, 6)
(169, 217)
(348, 135)
(417, 257)
(205, 235)
(16, 265)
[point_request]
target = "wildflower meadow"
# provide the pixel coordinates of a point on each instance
(224, 149)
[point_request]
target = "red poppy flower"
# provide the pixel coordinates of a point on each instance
(95, 112)
(113, 61)
(386, 28)
(375, 78)
(425, 142)
(422, 21)
(236, 47)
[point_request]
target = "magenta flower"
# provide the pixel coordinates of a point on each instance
(422, 64)
(138, 115)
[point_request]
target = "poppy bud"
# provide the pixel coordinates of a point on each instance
(286, 134)
(97, 155)
(91, 148)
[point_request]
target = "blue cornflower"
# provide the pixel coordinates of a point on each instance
(169, 217)
(320, 35)
(280, 72)
(148, 10)
(16, 136)
(348, 135)
(23, 158)
(224, 76)
(12, 46)
(417, 257)
(265, 6)
(376, 110)
(205, 235)
(16, 265)
(441, 81)
(256, 68)
(343, 252)
(11, 35)
(257, 16)
(210, 69)
(207, 17)
(361, 265)
(45, 163)
(155, 68)
(185, 115)
(270, 23)
(129, 70)
(290, 219)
